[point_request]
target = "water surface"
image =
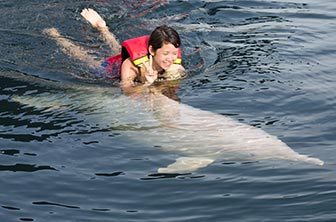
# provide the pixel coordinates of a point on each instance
(265, 63)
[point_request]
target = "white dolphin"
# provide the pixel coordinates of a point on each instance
(203, 137)
(199, 137)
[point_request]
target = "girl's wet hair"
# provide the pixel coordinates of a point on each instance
(164, 34)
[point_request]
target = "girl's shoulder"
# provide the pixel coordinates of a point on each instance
(129, 70)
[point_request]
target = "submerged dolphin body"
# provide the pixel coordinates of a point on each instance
(199, 137)
(204, 136)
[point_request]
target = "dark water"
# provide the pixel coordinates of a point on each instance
(265, 63)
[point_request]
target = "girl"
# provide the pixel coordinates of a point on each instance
(138, 62)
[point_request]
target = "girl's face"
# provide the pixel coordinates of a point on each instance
(165, 56)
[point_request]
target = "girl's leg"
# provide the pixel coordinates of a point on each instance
(71, 49)
(99, 23)
(111, 40)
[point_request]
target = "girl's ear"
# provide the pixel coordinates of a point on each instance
(151, 50)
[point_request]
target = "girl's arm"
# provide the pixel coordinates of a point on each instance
(129, 73)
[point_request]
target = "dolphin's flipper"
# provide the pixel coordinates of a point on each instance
(186, 164)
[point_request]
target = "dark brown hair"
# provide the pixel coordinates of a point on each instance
(164, 34)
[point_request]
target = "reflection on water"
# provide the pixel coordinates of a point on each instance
(264, 63)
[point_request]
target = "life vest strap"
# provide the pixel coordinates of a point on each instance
(141, 60)
(178, 61)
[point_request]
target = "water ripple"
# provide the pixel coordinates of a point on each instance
(19, 167)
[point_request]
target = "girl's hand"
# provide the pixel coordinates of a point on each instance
(94, 18)
(150, 74)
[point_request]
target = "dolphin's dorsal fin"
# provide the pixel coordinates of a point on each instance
(186, 164)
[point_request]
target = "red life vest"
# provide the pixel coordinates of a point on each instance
(137, 50)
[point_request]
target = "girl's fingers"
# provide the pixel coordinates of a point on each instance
(150, 60)
(148, 66)
(145, 65)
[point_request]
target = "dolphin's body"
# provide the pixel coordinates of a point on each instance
(199, 137)
(203, 136)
